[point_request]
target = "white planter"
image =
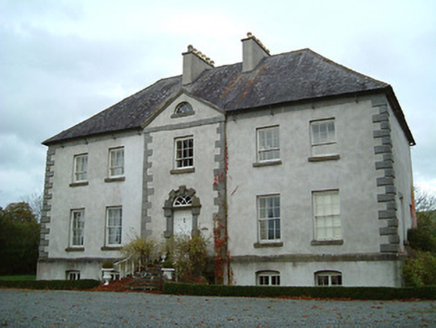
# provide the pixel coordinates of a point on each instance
(107, 275)
(168, 273)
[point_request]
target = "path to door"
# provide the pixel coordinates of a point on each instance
(29, 308)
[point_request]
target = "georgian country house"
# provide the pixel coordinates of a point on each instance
(302, 165)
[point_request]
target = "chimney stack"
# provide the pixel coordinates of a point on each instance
(253, 51)
(194, 63)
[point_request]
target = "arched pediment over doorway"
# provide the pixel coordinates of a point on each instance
(181, 211)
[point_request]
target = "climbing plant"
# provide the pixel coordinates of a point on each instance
(222, 255)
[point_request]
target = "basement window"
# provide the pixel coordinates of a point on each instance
(73, 275)
(328, 278)
(268, 278)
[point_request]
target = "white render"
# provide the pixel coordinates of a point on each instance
(354, 175)
(127, 193)
(368, 165)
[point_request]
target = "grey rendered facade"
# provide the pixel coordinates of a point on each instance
(304, 164)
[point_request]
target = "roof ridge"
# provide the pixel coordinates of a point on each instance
(346, 68)
(281, 78)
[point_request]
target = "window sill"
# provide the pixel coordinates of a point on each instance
(267, 163)
(324, 158)
(327, 242)
(79, 184)
(117, 179)
(176, 115)
(183, 170)
(270, 244)
(75, 249)
(325, 143)
(111, 248)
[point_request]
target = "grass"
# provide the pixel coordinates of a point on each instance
(18, 277)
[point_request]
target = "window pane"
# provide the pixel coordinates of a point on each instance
(323, 132)
(275, 280)
(263, 229)
(184, 153)
(268, 144)
(184, 108)
(77, 228)
(117, 162)
(264, 280)
(114, 226)
(336, 280)
(277, 232)
(268, 278)
(271, 229)
(269, 217)
(80, 167)
(327, 215)
(328, 278)
(323, 280)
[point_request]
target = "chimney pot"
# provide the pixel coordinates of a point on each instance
(253, 51)
(194, 63)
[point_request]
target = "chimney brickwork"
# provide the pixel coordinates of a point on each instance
(194, 63)
(253, 51)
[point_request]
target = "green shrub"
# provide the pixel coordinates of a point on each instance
(419, 269)
(19, 239)
(19, 277)
(142, 251)
(51, 284)
(361, 293)
(189, 256)
(423, 238)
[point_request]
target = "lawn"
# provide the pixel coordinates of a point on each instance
(19, 277)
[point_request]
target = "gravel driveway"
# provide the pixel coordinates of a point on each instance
(33, 308)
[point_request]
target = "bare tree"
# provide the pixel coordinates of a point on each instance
(424, 202)
(35, 201)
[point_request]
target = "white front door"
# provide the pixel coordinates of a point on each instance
(182, 222)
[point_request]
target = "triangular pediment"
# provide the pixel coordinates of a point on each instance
(182, 108)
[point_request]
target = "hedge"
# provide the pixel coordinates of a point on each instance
(51, 284)
(356, 293)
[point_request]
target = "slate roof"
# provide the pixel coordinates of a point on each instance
(296, 76)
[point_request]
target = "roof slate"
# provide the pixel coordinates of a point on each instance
(289, 77)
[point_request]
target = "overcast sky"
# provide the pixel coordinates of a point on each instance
(62, 61)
